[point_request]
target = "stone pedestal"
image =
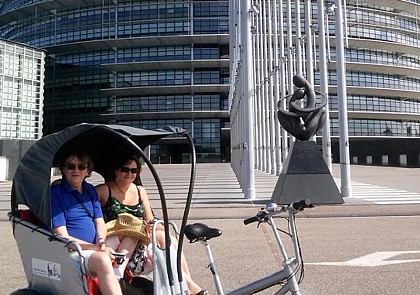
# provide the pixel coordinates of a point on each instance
(305, 175)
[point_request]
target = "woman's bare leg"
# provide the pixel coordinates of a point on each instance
(192, 286)
(127, 246)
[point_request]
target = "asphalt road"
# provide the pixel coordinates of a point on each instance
(347, 249)
(335, 251)
(330, 248)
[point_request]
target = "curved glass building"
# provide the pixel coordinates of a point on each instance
(150, 63)
(141, 63)
(383, 82)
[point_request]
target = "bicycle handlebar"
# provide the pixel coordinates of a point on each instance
(259, 217)
(300, 205)
(294, 206)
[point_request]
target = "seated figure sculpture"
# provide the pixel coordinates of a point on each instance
(303, 121)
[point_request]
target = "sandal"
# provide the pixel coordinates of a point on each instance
(203, 292)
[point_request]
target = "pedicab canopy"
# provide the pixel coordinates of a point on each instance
(31, 183)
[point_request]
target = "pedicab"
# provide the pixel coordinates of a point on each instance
(48, 267)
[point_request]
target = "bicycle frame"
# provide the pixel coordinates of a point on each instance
(288, 273)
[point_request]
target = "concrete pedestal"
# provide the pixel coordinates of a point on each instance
(305, 175)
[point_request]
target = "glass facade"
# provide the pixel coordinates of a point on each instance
(383, 81)
(139, 63)
(150, 63)
(381, 63)
(21, 91)
(382, 76)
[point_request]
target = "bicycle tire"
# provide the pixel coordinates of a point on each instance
(26, 291)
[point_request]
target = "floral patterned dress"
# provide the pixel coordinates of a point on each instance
(113, 208)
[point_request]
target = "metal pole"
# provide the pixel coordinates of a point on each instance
(248, 150)
(271, 98)
(308, 44)
(282, 80)
(241, 102)
(309, 47)
(342, 104)
(278, 74)
(262, 91)
(232, 65)
(290, 71)
(266, 87)
(255, 100)
(326, 139)
(257, 86)
(298, 39)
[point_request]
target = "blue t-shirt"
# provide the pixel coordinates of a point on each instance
(67, 211)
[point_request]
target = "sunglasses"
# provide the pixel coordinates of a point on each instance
(80, 167)
(126, 169)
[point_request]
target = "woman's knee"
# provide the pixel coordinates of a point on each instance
(127, 244)
(160, 238)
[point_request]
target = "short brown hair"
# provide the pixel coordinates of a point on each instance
(81, 156)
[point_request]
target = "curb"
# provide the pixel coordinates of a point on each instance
(320, 211)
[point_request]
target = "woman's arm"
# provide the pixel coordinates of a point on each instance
(102, 190)
(148, 212)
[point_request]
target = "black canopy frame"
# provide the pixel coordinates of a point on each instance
(31, 182)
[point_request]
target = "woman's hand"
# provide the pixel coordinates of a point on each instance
(152, 222)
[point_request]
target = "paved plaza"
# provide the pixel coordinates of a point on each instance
(218, 201)
(216, 186)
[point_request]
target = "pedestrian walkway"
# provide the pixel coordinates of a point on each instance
(216, 186)
(382, 195)
(217, 193)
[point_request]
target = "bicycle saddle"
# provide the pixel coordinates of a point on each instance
(201, 232)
